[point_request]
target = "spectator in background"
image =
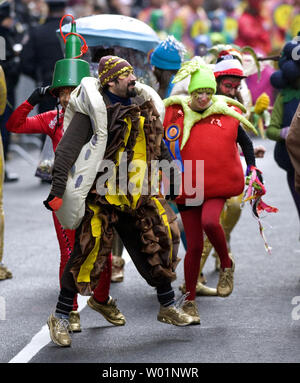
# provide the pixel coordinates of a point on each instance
(42, 49)
(190, 21)
(4, 272)
(11, 66)
(287, 81)
(119, 7)
(159, 15)
(252, 30)
(293, 145)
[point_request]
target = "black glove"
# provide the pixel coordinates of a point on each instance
(39, 95)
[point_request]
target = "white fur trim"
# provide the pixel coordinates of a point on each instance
(227, 65)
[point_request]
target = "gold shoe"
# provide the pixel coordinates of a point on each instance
(217, 262)
(202, 279)
(109, 310)
(225, 284)
(174, 315)
(59, 333)
(74, 321)
(117, 269)
(201, 290)
(205, 291)
(190, 308)
(4, 272)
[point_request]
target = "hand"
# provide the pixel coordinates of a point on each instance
(259, 151)
(53, 203)
(284, 132)
(38, 95)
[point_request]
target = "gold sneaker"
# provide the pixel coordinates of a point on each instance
(174, 315)
(217, 262)
(202, 279)
(59, 332)
(225, 284)
(190, 308)
(109, 310)
(4, 272)
(74, 321)
(117, 269)
(201, 290)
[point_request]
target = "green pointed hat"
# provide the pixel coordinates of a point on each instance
(202, 76)
(70, 70)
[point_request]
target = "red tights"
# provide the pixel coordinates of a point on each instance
(196, 220)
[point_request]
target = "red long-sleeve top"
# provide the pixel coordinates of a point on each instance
(251, 32)
(44, 123)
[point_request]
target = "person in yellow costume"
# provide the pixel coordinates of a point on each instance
(4, 272)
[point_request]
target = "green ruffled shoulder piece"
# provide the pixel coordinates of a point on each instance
(219, 106)
(289, 94)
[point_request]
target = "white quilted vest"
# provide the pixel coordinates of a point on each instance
(87, 99)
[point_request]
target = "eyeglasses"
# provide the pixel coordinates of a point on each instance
(126, 74)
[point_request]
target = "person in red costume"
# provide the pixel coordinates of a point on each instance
(51, 124)
(252, 30)
(204, 128)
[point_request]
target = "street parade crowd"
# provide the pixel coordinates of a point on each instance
(152, 148)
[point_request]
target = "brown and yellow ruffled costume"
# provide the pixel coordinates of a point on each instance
(145, 223)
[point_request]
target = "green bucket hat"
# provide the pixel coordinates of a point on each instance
(69, 71)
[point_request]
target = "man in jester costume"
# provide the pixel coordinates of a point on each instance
(205, 128)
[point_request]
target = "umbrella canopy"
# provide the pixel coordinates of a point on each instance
(115, 30)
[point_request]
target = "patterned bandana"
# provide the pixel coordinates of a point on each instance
(110, 67)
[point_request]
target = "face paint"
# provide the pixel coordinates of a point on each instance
(229, 87)
(201, 99)
(126, 74)
(124, 86)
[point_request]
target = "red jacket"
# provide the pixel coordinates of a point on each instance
(212, 140)
(251, 32)
(44, 123)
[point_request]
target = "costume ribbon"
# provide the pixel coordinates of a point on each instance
(254, 193)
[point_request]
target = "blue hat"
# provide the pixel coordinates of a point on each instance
(168, 54)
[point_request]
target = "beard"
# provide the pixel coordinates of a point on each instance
(131, 92)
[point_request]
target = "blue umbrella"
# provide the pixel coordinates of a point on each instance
(115, 30)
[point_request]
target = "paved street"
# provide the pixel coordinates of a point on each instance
(257, 323)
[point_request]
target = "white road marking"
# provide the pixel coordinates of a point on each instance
(42, 338)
